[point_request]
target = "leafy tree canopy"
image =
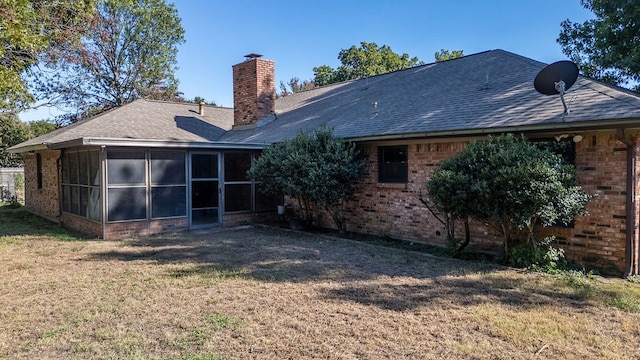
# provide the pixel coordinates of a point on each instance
(27, 29)
(317, 169)
(41, 127)
(367, 60)
(128, 51)
(606, 48)
(444, 55)
(200, 99)
(12, 132)
(509, 183)
(295, 85)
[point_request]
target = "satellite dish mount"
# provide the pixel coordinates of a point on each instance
(560, 86)
(557, 78)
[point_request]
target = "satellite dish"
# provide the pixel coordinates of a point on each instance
(557, 78)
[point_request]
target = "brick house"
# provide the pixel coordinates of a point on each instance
(152, 166)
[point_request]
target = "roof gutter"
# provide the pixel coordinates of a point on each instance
(21, 150)
(136, 143)
(154, 143)
(631, 247)
(557, 126)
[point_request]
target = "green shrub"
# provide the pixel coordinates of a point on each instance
(578, 279)
(9, 198)
(539, 256)
(513, 186)
(316, 169)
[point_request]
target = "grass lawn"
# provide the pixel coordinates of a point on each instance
(266, 293)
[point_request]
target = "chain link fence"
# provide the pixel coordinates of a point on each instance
(11, 185)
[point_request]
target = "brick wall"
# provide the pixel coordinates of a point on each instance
(395, 209)
(253, 91)
(596, 240)
(45, 201)
(231, 220)
(599, 238)
(81, 224)
(123, 230)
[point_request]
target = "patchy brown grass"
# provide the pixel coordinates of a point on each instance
(265, 293)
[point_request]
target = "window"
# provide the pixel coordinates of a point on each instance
(126, 185)
(126, 168)
(127, 203)
(140, 180)
(242, 194)
(392, 164)
(236, 166)
(565, 148)
(39, 170)
(204, 167)
(237, 186)
(81, 184)
(168, 201)
(168, 184)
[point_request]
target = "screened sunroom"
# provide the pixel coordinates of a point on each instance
(133, 191)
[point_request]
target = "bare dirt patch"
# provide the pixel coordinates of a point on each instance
(266, 293)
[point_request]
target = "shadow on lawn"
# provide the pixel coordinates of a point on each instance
(365, 274)
(272, 254)
(18, 221)
(454, 292)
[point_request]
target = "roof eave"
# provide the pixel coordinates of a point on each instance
(28, 148)
(560, 126)
(124, 142)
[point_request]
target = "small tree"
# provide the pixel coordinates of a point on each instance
(511, 184)
(316, 169)
(444, 55)
(12, 132)
(447, 197)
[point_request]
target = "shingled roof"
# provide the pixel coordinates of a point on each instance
(486, 92)
(142, 121)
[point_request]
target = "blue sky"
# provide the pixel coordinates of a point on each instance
(299, 35)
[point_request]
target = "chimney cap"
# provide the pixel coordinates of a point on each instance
(253, 56)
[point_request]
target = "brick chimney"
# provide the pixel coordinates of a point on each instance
(254, 90)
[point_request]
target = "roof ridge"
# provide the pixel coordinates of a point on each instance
(521, 57)
(183, 103)
(396, 71)
(626, 91)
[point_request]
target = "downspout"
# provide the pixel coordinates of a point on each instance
(631, 248)
(103, 190)
(59, 183)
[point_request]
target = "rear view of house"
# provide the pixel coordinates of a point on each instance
(151, 166)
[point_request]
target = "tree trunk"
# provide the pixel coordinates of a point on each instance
(467, 236)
